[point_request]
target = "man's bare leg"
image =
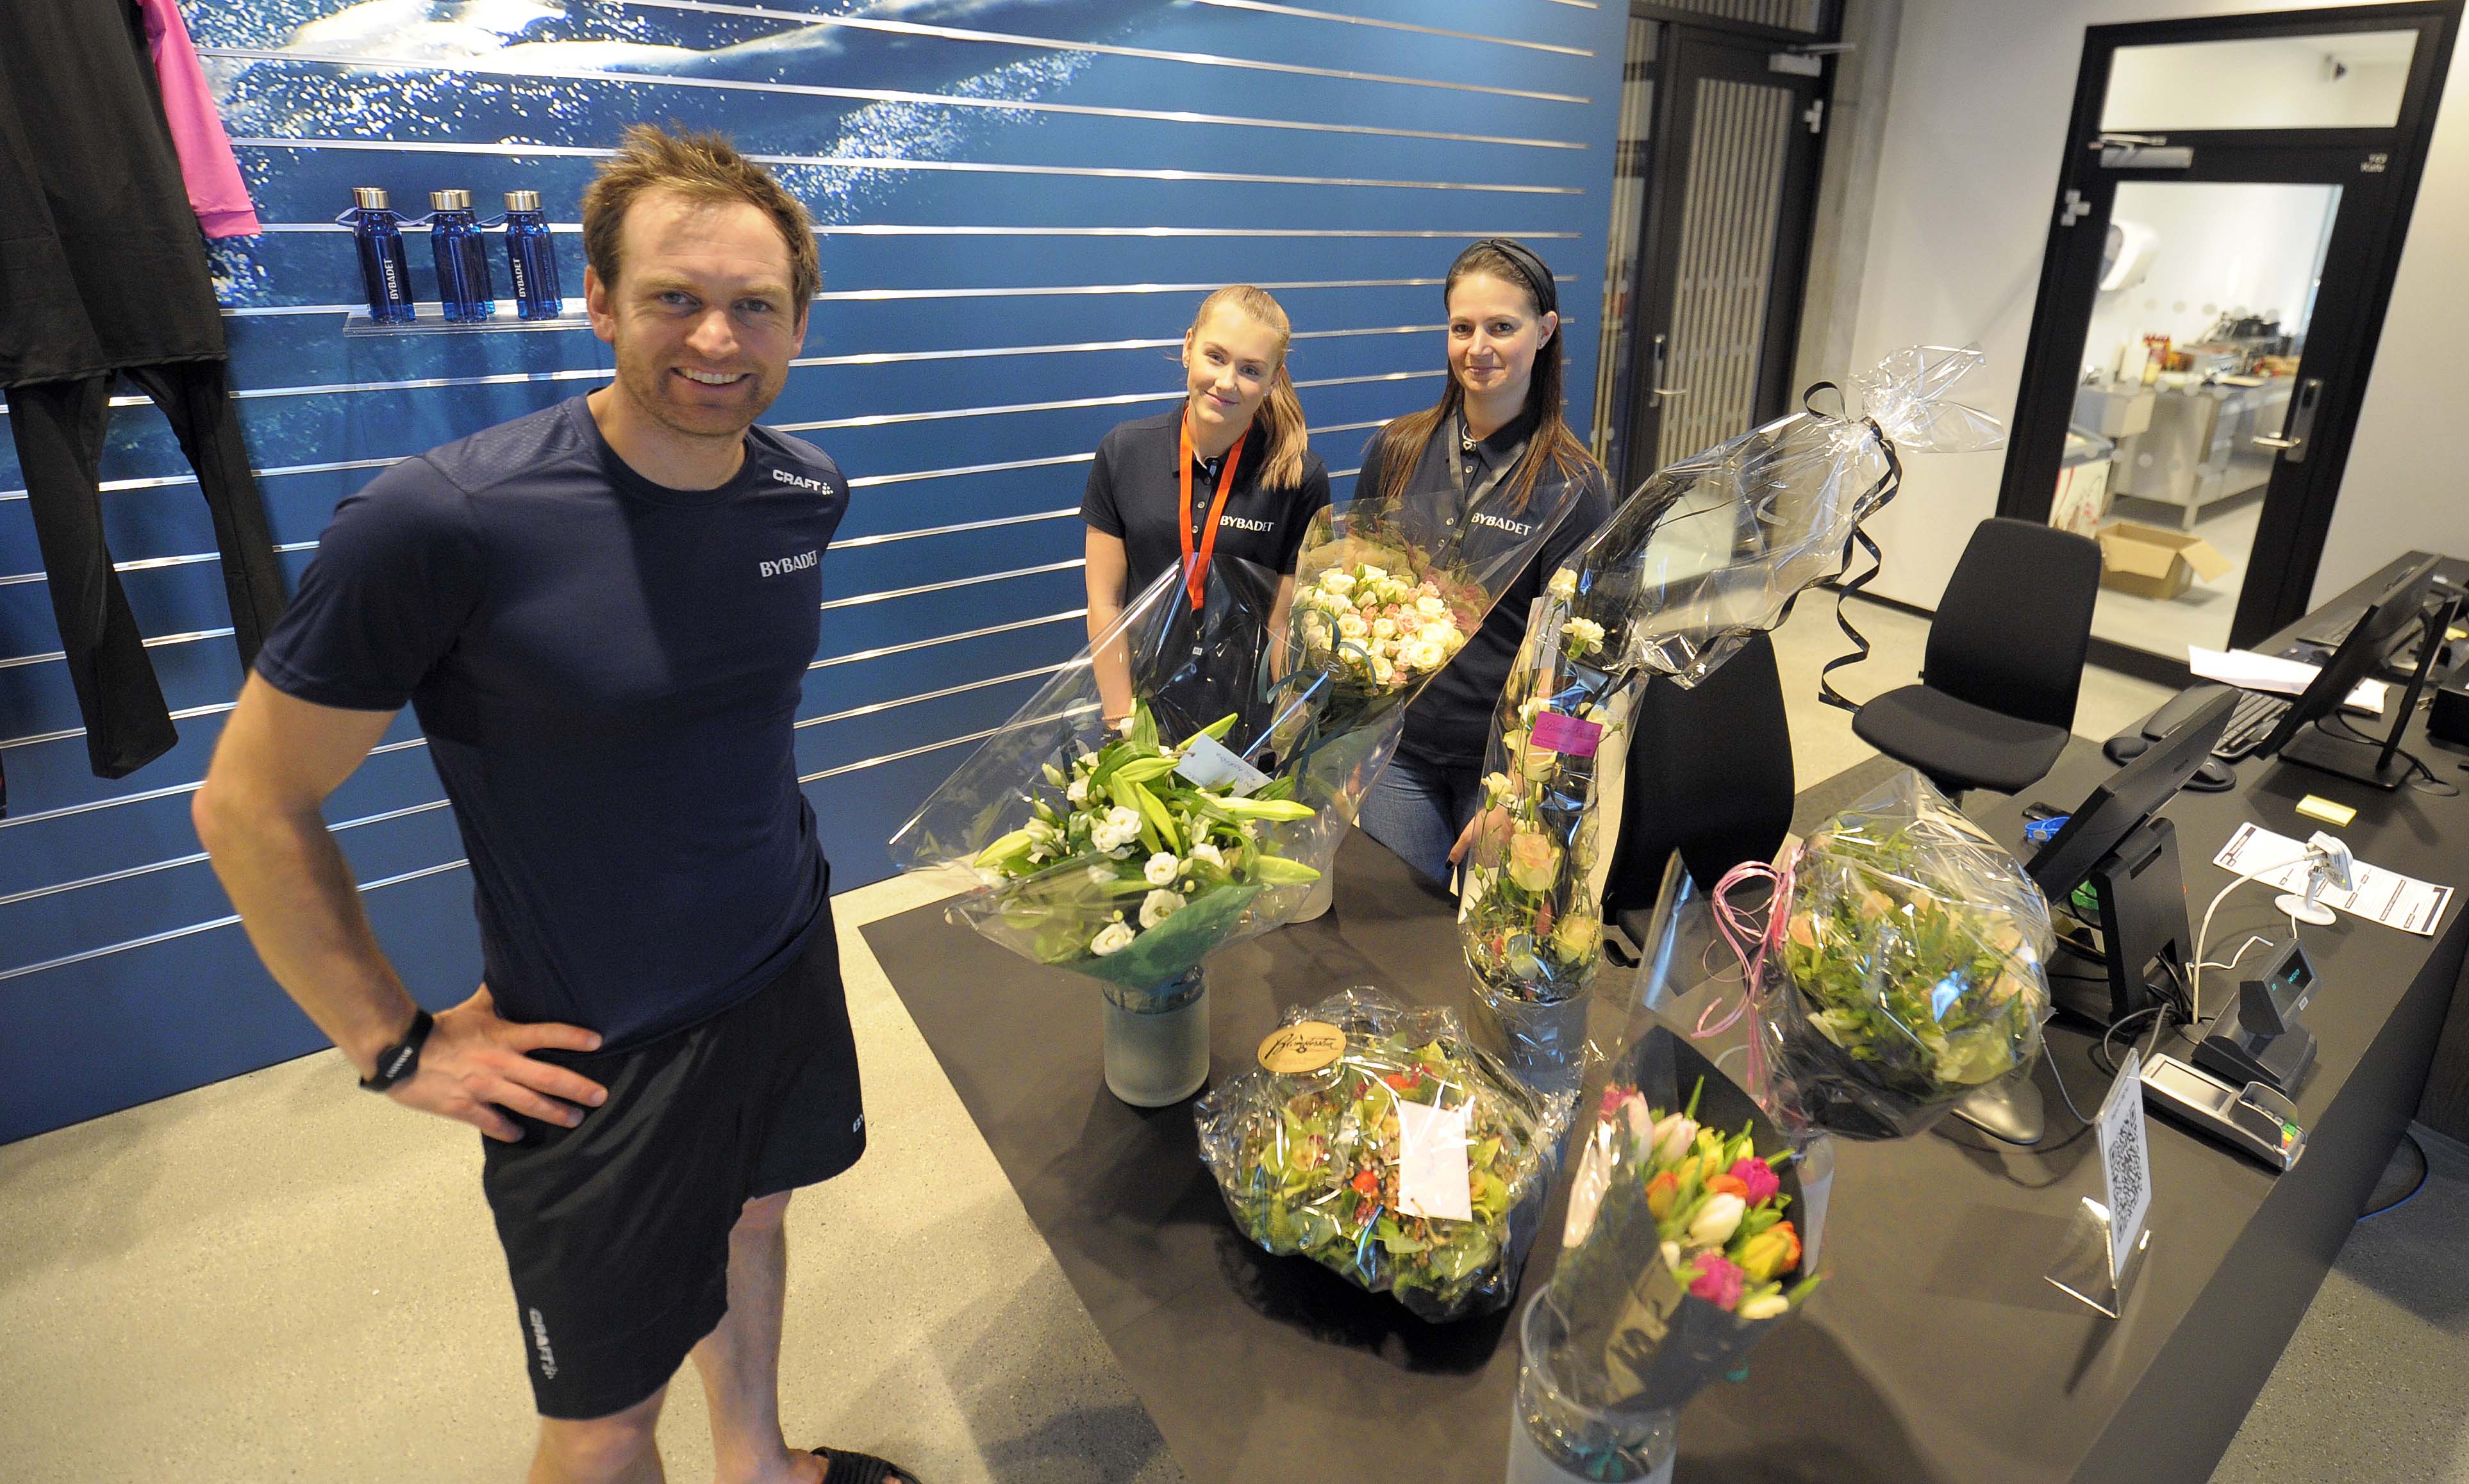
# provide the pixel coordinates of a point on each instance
(618, 1448)
(740, 1360)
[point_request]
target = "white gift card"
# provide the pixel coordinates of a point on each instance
(1432, 1162)
(1210, 764)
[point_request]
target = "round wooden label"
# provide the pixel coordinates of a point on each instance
(1306, 1046)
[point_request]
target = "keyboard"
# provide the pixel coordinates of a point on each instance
(2331, 635)
(2253, 719)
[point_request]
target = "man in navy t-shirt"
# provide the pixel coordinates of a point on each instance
(602, 615)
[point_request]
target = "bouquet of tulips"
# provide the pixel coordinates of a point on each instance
(1680, 1254)
(1312, 1161)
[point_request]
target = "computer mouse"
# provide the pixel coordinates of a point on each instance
(2125, 747)
(2213, 777)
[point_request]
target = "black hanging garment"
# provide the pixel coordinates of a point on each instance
(102, 272)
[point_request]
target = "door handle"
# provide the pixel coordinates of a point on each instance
(2290, 444)
(1656, 391)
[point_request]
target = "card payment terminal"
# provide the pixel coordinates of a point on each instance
(2254, 1119)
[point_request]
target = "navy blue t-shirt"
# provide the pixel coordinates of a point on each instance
(607, 671)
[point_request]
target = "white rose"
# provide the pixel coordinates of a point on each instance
(1336, 581)
(1384, 669)
(1383, 627)
(1159, 905)
(1077, 790)
(1497, 787)
(1113, 938)
(1563, 584)
(1431, 606)
(1371, 574)
(1352, 626)
(1210, 854)
(1162, 868)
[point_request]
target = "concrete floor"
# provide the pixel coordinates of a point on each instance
(279, 1277)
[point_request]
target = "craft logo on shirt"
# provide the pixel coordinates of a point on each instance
(1486, 518)
(788, 564)
(1240, 523)
(783, 477)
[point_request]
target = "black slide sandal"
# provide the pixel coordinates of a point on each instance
(849, 1467)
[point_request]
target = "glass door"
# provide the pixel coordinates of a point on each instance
(2230, 214)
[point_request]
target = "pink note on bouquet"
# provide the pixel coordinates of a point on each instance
(1572, 736)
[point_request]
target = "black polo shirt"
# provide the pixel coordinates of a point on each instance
(1134, 494)
(1450, 723)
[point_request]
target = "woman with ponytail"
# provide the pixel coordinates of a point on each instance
(1224, 484)
(1496, 439)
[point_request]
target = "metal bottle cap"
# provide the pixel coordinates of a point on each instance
(450, 200)
(523, 200)
(369, 198)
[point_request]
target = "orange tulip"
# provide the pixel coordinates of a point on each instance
(1661, 1192)
(1771, 1251)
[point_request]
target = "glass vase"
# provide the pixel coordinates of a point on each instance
(1157, 1040)
(1554, 1438)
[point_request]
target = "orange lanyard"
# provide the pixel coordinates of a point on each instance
(1195, 574)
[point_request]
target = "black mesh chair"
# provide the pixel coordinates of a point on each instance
(1709, 775)
(1996, 696)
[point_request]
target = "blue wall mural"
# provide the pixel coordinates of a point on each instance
(1020, 202)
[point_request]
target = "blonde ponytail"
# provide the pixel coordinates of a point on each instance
(1280, 420)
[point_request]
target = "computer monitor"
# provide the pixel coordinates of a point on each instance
(2131, 795)
(2114, 847)
(2299, 737)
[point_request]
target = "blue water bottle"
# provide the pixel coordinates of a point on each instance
(462, 259)
(383, 272)
(531, 258)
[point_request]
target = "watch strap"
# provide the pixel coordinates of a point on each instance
(400, 1059)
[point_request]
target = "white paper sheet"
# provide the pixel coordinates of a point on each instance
(2380, 896)
(2249, 670)
(1432, 1162)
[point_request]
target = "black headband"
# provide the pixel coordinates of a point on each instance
(1529, 266)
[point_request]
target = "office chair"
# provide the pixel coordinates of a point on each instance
(1709, 775)
(1996, 696)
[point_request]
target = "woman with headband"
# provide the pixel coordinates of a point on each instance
(1223, 484)
(1497, 440)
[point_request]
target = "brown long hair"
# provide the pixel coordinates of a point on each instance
(1279, 418)
(1553, 443)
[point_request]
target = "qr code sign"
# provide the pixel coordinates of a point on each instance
(2125, 1160)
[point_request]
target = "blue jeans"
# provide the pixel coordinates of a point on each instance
(1419, 808)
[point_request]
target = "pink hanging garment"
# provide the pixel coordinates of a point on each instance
(207, 166)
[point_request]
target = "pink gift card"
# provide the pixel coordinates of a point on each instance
(1574, 736)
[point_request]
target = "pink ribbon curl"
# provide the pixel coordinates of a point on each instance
(1750, 942)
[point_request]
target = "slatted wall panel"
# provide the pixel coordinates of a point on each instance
(1021, 202)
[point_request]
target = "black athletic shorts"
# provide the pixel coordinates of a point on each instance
(616, 1230)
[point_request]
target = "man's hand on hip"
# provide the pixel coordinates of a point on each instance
(475, 1064)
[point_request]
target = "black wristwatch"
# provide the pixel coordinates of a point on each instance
(400, 1059)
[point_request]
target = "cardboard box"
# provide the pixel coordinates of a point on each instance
(2152, 561)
